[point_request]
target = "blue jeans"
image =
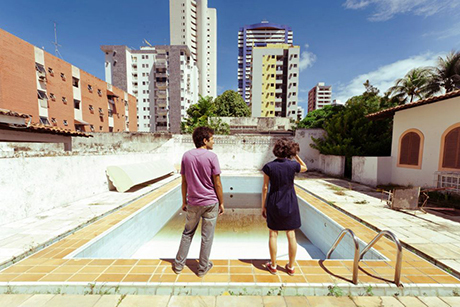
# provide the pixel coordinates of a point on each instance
(208, 214)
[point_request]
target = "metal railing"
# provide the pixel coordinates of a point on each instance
(356, 256)
(397, 280)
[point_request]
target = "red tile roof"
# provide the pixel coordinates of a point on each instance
(391, 111)
(39, 128)
(14, 114)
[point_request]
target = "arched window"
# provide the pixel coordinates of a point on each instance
(410, 149)
(451, 149)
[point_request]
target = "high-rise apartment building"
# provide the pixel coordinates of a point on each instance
(193, 24)
(257, 35)
(275, 78)
(59, 94)
(163, 78)
(319, 96)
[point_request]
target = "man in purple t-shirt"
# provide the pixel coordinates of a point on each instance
(202, 198)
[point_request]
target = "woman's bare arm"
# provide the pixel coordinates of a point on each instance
(264, 194)
(303, 166)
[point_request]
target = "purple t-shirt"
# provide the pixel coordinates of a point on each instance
(198, 165)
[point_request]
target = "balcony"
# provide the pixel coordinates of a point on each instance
(161, 94)
(161, 75)
(162, 85)
(162, 112)
(161, 103)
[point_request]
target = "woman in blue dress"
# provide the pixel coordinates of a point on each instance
(279, 202)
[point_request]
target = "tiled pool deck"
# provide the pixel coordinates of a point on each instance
(47, 270)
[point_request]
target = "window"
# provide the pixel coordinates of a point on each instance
(99, 92)
(90, 88)
(76, 104)
(91, 108)
(41, 95)
(410, 149)
(63, 76)
(65, 122)
(40, 68)
(75, 82)
(44, 121)
(101, 112)
(51, 71)
(53, 120)
(91, 127)
(450, 153)
(53, 97)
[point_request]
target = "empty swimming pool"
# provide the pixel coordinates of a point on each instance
(154, 231)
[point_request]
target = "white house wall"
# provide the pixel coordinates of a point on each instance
(432, 120)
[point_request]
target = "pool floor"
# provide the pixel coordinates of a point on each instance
(239, 234)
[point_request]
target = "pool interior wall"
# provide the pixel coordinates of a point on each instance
(241, 233)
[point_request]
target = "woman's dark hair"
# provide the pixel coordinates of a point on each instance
(285, 148)
(201, 133)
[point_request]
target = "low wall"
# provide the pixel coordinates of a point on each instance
(308, 154)
(40, 177)
(261, 124)
(332, 165)
(371, 171)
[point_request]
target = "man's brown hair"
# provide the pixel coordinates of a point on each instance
(201, 133)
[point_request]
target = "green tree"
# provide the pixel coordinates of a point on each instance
(231, 104)
(415, 84)
(447, 73)
(349, 133)
(200, 113)
(317, 118)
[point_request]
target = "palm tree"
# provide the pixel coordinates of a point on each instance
(447, 73)
(415, 84)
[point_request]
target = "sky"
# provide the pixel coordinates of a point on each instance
(343, 42)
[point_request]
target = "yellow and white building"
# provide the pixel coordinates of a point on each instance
(275, 79)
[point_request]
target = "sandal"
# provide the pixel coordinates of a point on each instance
(289, 270)
(270, 268)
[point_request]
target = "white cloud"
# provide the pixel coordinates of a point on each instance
(386, 9)
(453, 31)
(307, 59)
(384, 77)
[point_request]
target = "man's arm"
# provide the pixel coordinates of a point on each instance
(264, 195)
(184, 193)
(219, 192)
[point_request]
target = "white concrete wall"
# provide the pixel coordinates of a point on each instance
(43, 176)
(308, 154)
(332, 165)
(32, 185)
(371, 171)
(432, 120)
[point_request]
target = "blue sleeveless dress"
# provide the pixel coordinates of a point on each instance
(282, 206)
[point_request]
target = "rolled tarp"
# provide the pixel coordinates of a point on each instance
(124, 177)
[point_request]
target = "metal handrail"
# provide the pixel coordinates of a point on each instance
(356, 257)
(398, 254)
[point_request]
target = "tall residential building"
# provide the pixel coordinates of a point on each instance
(163, 78)
(58, 94)
(193, 24)
(275, 78)
(257, 35)
(319, 96)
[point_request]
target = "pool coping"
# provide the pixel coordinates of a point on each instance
(36, 271)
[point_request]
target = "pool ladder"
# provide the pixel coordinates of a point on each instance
(359, 256)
